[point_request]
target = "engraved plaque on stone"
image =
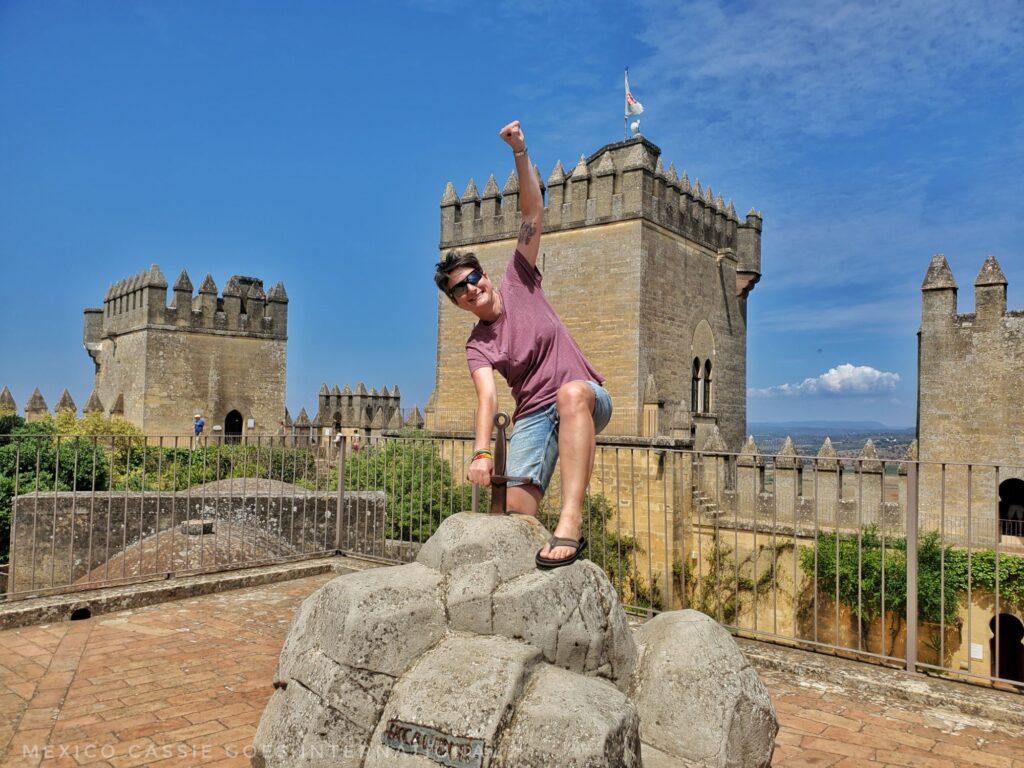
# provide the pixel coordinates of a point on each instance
(443, 748)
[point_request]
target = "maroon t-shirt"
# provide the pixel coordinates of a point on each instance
(528, 344)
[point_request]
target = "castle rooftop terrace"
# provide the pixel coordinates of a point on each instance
(184, 683)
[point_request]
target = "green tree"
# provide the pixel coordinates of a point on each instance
(36, 459)
(418, 482)
(729, 584)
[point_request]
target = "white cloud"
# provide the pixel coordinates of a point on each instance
(845, 379)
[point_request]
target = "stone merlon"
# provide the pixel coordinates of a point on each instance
(66, 403)
(938, 302)
(990, 274)
(990, 292)
(939, 276)
(7, 404)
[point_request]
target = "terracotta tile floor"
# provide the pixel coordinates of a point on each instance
(184, 683)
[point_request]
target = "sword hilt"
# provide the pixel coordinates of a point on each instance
(499, 480)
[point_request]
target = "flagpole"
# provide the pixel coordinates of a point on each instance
(625, 112)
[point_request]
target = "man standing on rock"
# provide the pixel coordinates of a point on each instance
(560, 403)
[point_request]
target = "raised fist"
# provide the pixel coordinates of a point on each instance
(512, 135)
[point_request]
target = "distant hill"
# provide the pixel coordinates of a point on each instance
(824, 426)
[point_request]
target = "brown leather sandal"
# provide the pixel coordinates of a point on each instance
(548, 563)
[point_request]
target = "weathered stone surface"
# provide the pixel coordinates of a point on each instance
(570, 721)
(349, 642)
(473, 652)
(299, 731)
(466, 686)
(470, 597)
(573, 616)
(463, 538)
(358, 694)
(380, 620)
(655, 758)
(698, 697)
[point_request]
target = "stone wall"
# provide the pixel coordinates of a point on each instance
(685, 285)
(788, 610)
(120, 382)
(213, 374)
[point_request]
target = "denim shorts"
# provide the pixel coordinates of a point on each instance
(533, 447)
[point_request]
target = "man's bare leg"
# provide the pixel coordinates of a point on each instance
(575, 405)
(524, 499)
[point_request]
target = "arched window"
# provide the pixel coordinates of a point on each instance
(707, 386)
(695, 387)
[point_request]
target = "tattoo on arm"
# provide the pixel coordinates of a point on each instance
(526, 232)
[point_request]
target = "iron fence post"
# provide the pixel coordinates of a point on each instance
(341, 493)
(911, 529)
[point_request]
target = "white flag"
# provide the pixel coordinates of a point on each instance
(633, 107)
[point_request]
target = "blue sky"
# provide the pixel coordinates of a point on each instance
(310, 142)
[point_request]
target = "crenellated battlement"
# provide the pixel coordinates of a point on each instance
(140, 301)
(620, 181)
(359, 409)
(939, 298)
(36, 407)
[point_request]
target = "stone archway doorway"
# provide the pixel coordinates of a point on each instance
(233, 427)
(1010, 664)
(1011, 507)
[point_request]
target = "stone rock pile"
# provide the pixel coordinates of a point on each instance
(471, 656)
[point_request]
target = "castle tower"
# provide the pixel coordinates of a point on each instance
(969, 409)
(648, 273)
(159, 364)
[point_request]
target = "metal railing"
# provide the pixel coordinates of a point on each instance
(96, 511)
(911, 564)
(899, 562)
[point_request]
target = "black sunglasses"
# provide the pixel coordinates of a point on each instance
(462, 286)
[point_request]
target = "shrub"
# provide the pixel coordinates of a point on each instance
(855, 567)
(36, 459)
